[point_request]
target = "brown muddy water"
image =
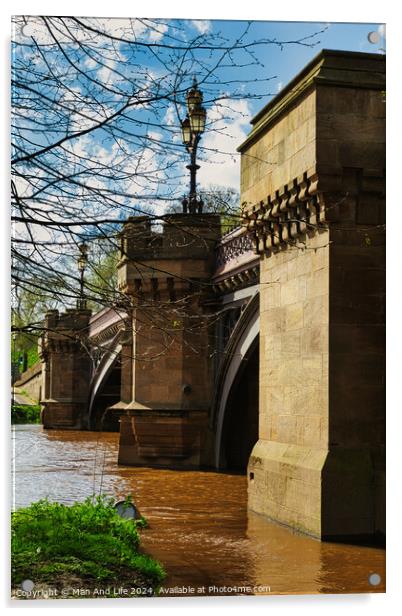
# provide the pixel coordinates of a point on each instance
(199, 526)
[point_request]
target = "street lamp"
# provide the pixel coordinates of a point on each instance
(82, 261)
(192, 128)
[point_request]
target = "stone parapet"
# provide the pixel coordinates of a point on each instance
(169, 258)
(31, 381)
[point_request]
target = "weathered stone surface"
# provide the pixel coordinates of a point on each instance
(312, 184)
(31, 381)
(167, 388)
(67, 370)
(318, 465)
(161, 437)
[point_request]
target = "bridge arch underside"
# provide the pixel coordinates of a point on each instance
(240, 421)
(237, 393)
(106, 393)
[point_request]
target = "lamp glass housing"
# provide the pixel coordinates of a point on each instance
(194, 98)
(82, 262)
(186, 131)
(197, 120)
(83, 258)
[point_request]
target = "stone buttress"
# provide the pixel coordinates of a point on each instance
(67, 369)
(312, 190)
(166, 380)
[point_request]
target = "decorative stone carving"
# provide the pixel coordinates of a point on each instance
(295, 209)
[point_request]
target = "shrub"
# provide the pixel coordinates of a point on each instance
(25, 414)
(89, 540)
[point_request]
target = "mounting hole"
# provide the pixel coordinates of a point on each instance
(374, 579)
(27, 585)
(373, 37)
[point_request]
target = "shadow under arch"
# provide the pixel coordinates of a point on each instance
(241, 361)
(105, 388)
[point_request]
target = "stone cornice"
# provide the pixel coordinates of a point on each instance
(329, 67)
(107, 334)
(307, 203)
(237, 280)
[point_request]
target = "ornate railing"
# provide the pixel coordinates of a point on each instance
(232, 246)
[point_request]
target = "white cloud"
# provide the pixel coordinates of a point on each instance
(202, 25)
(157, 33)
(106, 74)
(156, 136)
(126, 28)
(121, 28)
(218, 146)
(170, 118)
(90, 63)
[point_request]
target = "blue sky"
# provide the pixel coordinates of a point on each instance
(281, 63)
(287, 62)
(262, 70)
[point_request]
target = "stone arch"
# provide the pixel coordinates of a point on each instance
(242, 344)
(109, 364)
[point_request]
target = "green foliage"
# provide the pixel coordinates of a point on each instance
(89, 540)
(25, 414)
(32, 355)
(101, 277)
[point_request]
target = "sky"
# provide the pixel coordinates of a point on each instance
(262, 70)
(68, 79)
(282, 64)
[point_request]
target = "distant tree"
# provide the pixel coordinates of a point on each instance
(218, 200)
(101, 281)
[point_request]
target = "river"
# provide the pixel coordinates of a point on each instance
(199, 526)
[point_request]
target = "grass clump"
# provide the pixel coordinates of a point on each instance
(86, 545)
(25, 414)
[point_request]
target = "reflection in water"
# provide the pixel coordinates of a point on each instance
(199, 525)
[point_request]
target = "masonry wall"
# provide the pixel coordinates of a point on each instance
(351, 152)
(293, 428)
(67, 370)
(166, 391)
(31, 381)
(281, 153)
(318, 220)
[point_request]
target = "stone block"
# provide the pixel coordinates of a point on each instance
(314, 340)
(289, 292)
(318, 283)
(294, 316)
(291, 342)
(316, 311)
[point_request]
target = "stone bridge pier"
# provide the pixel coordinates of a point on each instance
(67, 369)
(313, 190)
(166, 380)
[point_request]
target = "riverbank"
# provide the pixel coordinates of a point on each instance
(78, 551)
(25, 414)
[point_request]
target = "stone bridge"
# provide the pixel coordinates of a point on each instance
(262, 350)
(100, 345)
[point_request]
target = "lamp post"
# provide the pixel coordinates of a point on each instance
(192, 128)
(82, 261)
